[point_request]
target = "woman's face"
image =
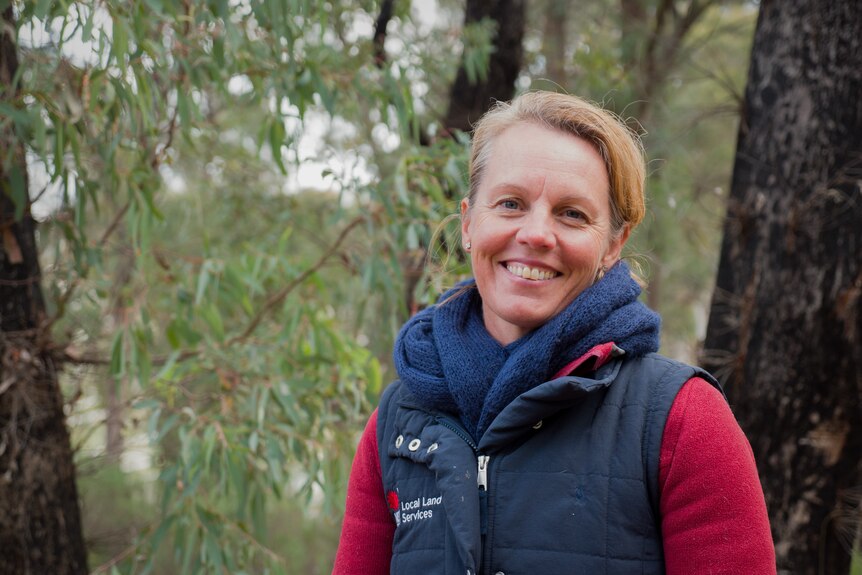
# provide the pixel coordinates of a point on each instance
(539, 227)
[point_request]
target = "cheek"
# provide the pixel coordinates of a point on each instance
(586, 249)
(480, 222)
(487, 232)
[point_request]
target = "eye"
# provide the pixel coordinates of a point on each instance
(573, 214)
(509, 204)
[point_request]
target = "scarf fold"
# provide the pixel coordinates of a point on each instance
(449, 361)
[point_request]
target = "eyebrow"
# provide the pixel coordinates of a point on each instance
(503, 187)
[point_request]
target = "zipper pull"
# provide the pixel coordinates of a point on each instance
(482, 476)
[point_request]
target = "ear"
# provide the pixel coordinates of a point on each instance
(465, 221)
(616, 247)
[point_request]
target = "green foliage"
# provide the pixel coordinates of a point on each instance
(243, 317)
(477, 48)
(117, 507)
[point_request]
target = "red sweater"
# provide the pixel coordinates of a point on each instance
(713, 515)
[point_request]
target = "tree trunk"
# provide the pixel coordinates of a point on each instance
(554, 41)
(468, 101)
(785, 331)
(119, 306)
(40, 525)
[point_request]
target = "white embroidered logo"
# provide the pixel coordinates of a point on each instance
(418, 509)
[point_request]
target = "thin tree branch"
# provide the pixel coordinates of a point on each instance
(276, 298)
(39, 195)
(118, 217)
(692, 15)
(106, 566)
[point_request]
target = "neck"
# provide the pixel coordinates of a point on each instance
(503, 332)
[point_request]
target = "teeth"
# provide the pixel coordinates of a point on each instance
(530, 273)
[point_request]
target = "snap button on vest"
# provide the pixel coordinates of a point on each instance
(537, 426)
(499, 573)
(414, 445)
(398, 441)
(432, 447)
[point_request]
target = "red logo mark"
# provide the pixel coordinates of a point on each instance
(392, 500)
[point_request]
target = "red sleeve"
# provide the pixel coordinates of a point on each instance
(713, 514)
(365, 547)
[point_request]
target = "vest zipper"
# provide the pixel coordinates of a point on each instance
(459, 431)
(481, 474)
(482, 480)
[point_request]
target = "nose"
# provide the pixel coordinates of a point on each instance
(537, 230)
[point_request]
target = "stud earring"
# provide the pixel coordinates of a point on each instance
(467, 246)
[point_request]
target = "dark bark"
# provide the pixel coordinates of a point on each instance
(386, 9)
(467, 101)
(40, 525)
(785, 332)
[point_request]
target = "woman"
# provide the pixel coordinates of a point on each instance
(533, 428)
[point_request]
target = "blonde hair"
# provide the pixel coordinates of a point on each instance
(619, 146)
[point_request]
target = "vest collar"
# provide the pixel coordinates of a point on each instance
(528, 410)
(592, 360)
(594, 370)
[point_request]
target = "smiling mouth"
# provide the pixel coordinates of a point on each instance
(529, 273)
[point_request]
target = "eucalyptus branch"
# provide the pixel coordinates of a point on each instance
(39, 195)
(159, 154)
(68, 355)
(278, 297)
(720, 76)
(248, 536)
(123, 554)
(107, 565)
(112, 227)
(64, 297)
(158, 157)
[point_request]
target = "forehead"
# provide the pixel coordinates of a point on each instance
(526, 153)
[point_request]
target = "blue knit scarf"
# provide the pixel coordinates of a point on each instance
(449, 361)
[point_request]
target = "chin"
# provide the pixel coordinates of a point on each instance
(527, 322)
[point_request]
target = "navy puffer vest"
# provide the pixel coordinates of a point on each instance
(565, 479)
